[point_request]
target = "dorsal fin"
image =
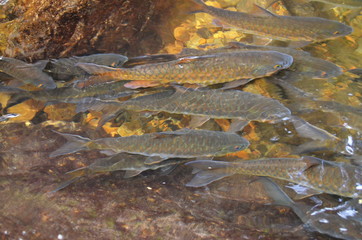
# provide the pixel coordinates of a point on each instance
(257, 10)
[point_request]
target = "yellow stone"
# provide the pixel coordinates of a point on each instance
(181, 34)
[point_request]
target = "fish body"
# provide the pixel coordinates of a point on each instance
(206, 70)
(27, 73)
(182, 144)
(343, 221)
(216, 104)
(324, 176)
(294, 28)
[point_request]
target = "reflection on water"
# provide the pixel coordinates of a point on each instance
(102, 203)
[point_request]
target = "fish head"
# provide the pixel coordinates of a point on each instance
(235, 144)
(272, 62)
(332, 29)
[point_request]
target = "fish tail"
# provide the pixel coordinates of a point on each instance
(202, 4)
(96, 69)
(207, 171)
(65, 184)
(17, 96)
(75, 143)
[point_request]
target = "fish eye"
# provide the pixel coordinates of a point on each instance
(336, 32)
(277, 66)
(238, 148)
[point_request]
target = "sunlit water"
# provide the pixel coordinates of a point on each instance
(155, 205)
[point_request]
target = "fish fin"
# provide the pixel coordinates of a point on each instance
(154, 159)
(218, 23)
(79, 172)
(237, 125)
(302, 192)
(190, 51)
(197, 121)
(311, 161)
(180, 89)
(108, 117)
(92, 68)
(308, 130)
(41, 64)
(204, 178)
(313, 146)
(298, 44)
(15, 83)
(168, 134)
(276, 193)
(131, 173)
(141, 84)
(108, 152)
(238, 45)
(75, 143)
(187, 59)
(208, 164)
(260, 11)
(65, 184)
(235, 84)
(168, 169)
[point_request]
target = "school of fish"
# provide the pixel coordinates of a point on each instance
(205, 84)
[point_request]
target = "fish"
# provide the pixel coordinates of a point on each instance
(341, 179)
(26, 73)
(185, 143)
(343, 221)
(69, 94)
(132, 164)
(267, 24)
(342, 3)
(65, 69)
(204, 70)
(213, 103)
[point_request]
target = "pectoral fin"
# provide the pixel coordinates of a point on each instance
(237, 125)
(154, 159)
(206, 177)
(131, 173)
(197, 121)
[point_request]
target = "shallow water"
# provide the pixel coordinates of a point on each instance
(154, 205)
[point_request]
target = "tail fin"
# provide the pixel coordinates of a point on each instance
(17, 96)
(75, 143)
(208, 171)
(96, 69)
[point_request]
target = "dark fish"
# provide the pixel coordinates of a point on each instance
(207, 69)
(185, 143)
(343, 221)
(325, 176)
(70, 94)
(310, 29)
(132, 164)
(64, 68)
(27, 73)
